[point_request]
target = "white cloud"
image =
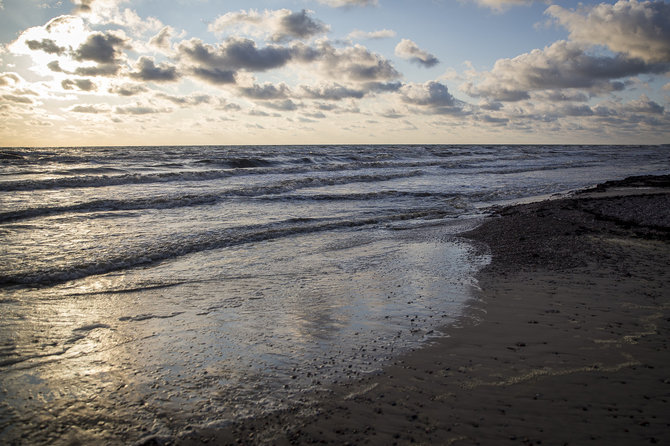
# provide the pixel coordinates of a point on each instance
(280, 25)
(355, 63)
(162, 40)
(407, 49)
(379, 34)
(91, 109)
(346, 3)
(433, 97)
(637, 29)
(501, 5)
(562, 65)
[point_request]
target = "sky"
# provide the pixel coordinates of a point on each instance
(201, 72)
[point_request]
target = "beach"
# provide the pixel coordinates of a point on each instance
(191, 294)
(565, 343)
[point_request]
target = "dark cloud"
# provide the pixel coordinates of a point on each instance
(637, 29)
(147, 70)
(103, 48)
(356, 63)
(285, 105)
(266, 91)
(235, 54)
(331, 92)
(491, 106)
(410, 50)
(383, 87)
(82, 6)
(55, 66)
(432, 94)
(644, 105)
(575, 110)
(47, 45)
(298, 25)
(99, 70)
(219, 64)
(187, 100)
(488, 119)
(433, 98)
(563, 65)
(563, 95)
(215, 76)
(263, 114)
(127, 89)
(139, 109)
(82, 84)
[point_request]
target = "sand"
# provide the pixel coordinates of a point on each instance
(566, 344)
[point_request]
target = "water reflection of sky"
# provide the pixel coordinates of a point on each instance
(221, 333)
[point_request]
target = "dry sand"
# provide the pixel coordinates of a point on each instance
(567, 343)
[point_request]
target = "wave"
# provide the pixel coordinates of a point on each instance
(111, 180)
(180, 246)
(110, 176)
(172, 201)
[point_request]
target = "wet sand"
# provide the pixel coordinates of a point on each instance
(567, 342)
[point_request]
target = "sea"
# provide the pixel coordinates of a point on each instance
(148, 291)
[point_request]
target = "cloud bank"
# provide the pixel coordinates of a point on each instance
(274, 69)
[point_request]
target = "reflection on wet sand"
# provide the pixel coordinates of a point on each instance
(119, 357)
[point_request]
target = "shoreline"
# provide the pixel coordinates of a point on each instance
(566, 343)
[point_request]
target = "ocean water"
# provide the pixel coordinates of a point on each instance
(147, 290)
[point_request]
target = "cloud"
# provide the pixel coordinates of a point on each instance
(502, 5)
(82, 84)
(9, 79)
(99, 70)
(379, 34)
(220, 64)
(92, 109)
(431, 97)
(280, 25)
(139, 109)
(83, 6)
(347, 3)
(644, 105)
(355, 63)
(331, 92)
(47, 45)
(216, 76)
(432, 94)
(298, 24)
(149, 71)
(192, 100)
(410, 50)
(128, 89)
(55, 66)
(17, 98)
(266, 92)
(285, 105)
(162, 39)
(562, 65)
(637, 29)
(234, 54)
(103, 48)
